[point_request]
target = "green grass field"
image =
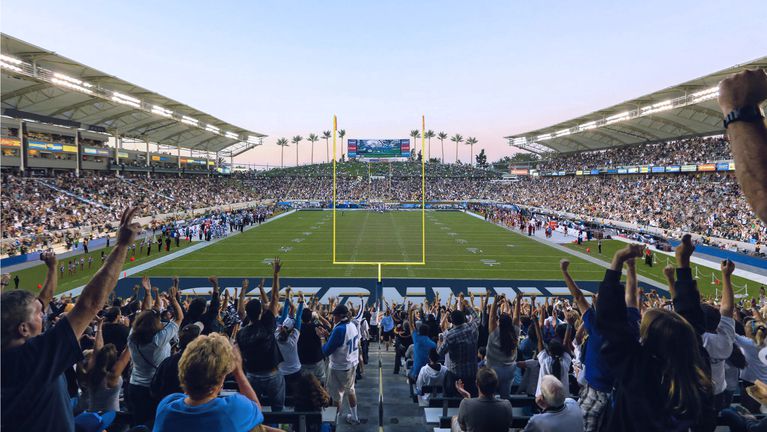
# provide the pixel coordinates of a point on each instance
(29, 278)
(656, 271)
(457, 246)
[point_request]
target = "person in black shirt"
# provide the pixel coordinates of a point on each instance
(310, 344)
(200, 311)
(114, 330)
(258, 345)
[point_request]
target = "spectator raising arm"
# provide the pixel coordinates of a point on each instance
(241, 297)
(51, 279)
(748, 139)
(147, 302)
(727, 307)
(97, 290)
(632, 287)
(274, 305)
(578, 297)
(178, 312)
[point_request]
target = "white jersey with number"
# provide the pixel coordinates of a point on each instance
(347, 355)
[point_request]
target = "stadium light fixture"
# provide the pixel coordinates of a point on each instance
(157, 109)
(9, 59)
(253, 140)
(211, 128)
(189, 121)
(232, 135)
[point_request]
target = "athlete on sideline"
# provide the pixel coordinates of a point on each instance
(342, 348)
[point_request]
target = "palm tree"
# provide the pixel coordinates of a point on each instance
(442, 137)
(282, 142)
(297, 139)
(341, 134)
(326, 135)
(429, 135)
(457, 139)
(470, 141)
(313, 138)
(415, 134)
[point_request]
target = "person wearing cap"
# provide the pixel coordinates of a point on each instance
(287, 333)
(34, 393)
(114, 328)
(342, 348)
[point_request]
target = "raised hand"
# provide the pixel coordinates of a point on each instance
(128, 230)
(668, 271)
(49, 258)
(564, 264)
(245, 284)
(146, 284)
(213, 280)
(727, 267)
(684, 251)
(276, 265)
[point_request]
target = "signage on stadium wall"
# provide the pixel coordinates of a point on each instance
(632, 170)
(10, 142)
(658, 169)
(519, 171)
(96, 151)
(689, 168)
(673, 168)
(622, 171)
(579, 172)
(161, 158)
(732, 166)
(594, 172)
(644, 169)
(706, 167)
(391, 289)
(723, 166)
(122, 155)
(51, 147)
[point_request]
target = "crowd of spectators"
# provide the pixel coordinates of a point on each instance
(634, 361)
(711, 205)
(686, 151)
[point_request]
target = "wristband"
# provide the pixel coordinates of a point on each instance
(750, 114)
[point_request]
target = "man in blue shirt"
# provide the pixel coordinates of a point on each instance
(387, 327)
(34, 393)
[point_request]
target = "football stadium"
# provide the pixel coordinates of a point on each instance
(598, 266)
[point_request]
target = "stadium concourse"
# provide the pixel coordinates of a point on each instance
(139, 298)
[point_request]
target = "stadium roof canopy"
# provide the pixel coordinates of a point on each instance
(41, 85)
(686, 110)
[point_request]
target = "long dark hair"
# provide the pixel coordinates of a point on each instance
(507, 334)
(670, 341)
(556, 350)
(310, 395)
(105, 359)
(146, 325)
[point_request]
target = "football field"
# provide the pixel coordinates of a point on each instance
(458, 246)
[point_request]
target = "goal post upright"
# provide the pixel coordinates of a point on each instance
(380, 264)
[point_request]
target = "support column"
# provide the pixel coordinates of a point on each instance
(147, 163)
(22, 148)
(178, 156)
(207, 159)
(77, 154)
(118, 145)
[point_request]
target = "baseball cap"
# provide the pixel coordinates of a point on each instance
(94, 422)
(288, 324)
(341, 310)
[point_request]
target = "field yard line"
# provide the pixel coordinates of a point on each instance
(162, 260)
(583, 256)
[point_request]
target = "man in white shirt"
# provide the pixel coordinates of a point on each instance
(560, 413)
(720, 334)
(342, 348)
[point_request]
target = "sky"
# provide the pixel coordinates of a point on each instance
(485, 69)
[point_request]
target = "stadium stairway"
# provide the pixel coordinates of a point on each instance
(399, 413)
